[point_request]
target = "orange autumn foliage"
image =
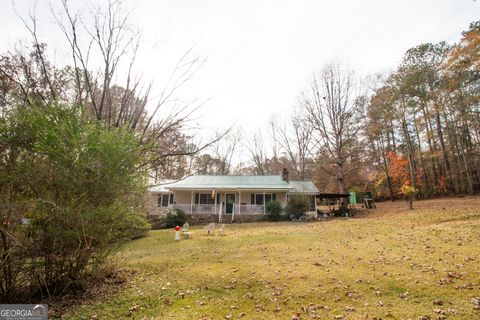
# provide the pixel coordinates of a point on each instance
(466, 54)
(398, 170)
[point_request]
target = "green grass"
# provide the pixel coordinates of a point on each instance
(391, 263)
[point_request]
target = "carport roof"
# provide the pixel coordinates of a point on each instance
(302, 186)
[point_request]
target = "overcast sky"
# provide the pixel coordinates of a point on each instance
(261, 54)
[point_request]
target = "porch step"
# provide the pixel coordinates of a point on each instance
(226, 218)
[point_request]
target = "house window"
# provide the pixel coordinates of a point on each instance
(163, 200)
(206, 198)
(257, 198)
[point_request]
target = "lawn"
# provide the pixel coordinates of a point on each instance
(389, 263)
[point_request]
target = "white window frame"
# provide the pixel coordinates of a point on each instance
(160, 203)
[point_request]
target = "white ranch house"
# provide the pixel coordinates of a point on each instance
(206, 198)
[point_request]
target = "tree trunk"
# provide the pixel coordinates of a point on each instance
(389, 182)
(422, 162)
(446, 163)
(411, 161)
(431, 147)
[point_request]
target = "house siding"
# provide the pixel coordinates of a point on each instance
(184, 197)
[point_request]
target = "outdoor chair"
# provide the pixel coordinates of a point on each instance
(186, 233)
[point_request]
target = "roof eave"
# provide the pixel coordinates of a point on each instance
(229, 188)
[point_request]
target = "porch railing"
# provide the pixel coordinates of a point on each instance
(210, 208)
(249, 209)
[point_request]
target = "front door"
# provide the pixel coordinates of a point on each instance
(230, 202)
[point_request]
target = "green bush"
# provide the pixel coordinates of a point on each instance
(80, 186)
(172, 218)
(297, 206)
(274, 210)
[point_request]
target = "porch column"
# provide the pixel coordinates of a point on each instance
(233, 210)
(239, 201)
(215, 199)
(264, 211)
(191, 204)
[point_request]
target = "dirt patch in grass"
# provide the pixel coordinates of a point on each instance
(98, 287)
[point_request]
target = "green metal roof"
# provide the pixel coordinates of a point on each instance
(231, 182)
(300, 186)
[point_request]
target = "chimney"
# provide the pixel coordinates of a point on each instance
(285, 174)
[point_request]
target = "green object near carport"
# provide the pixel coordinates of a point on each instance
(353, 198)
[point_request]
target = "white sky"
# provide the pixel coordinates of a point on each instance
(261, 54)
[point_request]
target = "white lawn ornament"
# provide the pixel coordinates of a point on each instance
(210, 228)
(186, 233)
(221, 230)
(177, 233)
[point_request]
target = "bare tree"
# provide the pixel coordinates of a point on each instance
(224, 149)
(102, 43)
(101, 78)
(295, 138)
(257, 153)
(332, 107)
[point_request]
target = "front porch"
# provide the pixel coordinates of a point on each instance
(225, 201)
(220, 208)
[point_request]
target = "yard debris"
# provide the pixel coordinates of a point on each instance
(295, 316)
(467, 286)
(444, 281)
(248, 295)
(259, 308)
(404, 295)
(437, 302)
(134, 308)
(454, 275)
(476, 303)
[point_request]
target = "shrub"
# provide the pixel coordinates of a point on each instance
(274, 210)
(409, 194)
(81, 188)
(172, 218)
(297, 206)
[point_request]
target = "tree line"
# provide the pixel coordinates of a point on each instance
(416, 126)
